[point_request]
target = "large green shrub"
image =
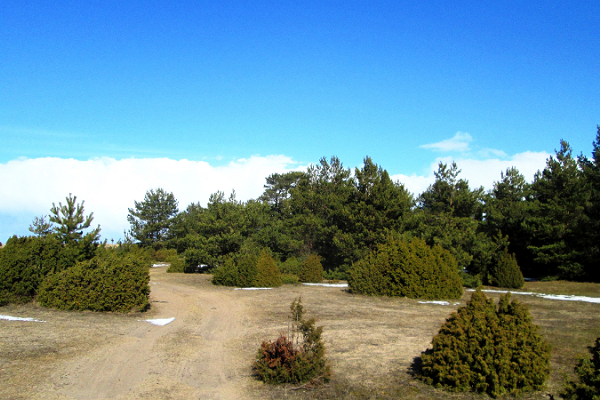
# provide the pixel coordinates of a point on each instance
(248, 270)
(411, 269)
(488, 350)
(298, 357)
(25, 262)
(108, 282)
(587, 383)
(267, 273)
(236, 271)
(290, 266)
(311, 270)
(505, 272)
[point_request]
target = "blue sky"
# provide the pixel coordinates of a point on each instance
(242, 89)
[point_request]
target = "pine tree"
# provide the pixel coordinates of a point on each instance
(591, 239)
(152, 218)
(558, 219)
(70, 221)
(507, 213)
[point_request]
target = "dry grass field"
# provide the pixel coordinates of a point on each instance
(206, 353)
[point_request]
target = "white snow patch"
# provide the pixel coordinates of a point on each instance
(441, 303)
(327, 284)
(9, 318)
(159, 265)
(253, 288)
(563, 297)
(570, 298)
(159, 321)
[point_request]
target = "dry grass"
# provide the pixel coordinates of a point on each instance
(371, 341)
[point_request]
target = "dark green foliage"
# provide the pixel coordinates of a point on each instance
(378, 205)
(488, 350)
(591, 239)
(470, 280)
(236, 271)
(297, 358)
(558, 220)
(176, 265)
(248, 270)
(505, 272)
(109, 282)
(412, 269)
(267, 273)
(587, 384)
(336, 275)
(70, 222)
(311, 270)
(290, 266)
(277, 189)
(25, 262)
(507, 213)
(449, 195)
(151, 219)
(41, 226)
(192, 259)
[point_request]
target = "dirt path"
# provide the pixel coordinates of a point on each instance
(192, 357)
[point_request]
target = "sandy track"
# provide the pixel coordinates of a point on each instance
(188, 358)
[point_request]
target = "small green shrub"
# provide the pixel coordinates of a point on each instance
(336, 275)
(488, 350)
(267, 273)
(108, 282)
(411, 269)
(587, 383)
(297, 358)
(289, 279)
(505, 272)
(192, 258)
(161, 255)
(311, 270)
(176, 264)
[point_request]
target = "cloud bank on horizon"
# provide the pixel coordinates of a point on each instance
(110, 186)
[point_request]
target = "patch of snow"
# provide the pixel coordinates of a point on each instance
(563, 297)
(160, 321)
(570, 298)
(327, 284)
(253, 288)
(159, 265)
(441, 303)
(9, 318)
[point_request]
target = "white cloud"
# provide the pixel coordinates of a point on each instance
(478, 172)
(109, 187)
(460, 142)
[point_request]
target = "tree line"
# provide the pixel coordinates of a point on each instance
(550, 226)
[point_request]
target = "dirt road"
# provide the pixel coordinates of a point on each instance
(201, 354)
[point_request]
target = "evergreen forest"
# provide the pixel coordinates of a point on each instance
(548, 228)
(335, 223)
